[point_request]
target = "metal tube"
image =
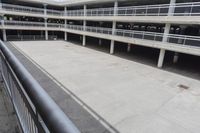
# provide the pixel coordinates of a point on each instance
(54, 118)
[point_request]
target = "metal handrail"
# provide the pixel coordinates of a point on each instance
(190, 9)
(117, 32)
(54, 118)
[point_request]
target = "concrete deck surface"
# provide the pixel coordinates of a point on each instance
(132, 97)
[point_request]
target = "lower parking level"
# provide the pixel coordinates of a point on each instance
(130, 96)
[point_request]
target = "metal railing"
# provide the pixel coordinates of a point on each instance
(25, 9)
(180, 9)
(29, 37)
(155, 36)
(36, 111)
(144, 35)
(23, 23)
(75, 13)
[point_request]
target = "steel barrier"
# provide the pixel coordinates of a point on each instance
(36, 111)
(29, 37)
(155, 36)
(180, 9)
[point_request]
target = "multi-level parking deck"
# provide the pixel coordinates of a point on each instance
(167, 14)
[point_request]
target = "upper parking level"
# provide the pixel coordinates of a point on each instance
(189, 12)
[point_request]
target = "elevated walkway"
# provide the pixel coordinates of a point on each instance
(128, 96)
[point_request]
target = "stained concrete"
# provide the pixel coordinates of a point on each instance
(132, 97)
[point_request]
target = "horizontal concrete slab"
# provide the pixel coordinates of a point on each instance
(132, 97)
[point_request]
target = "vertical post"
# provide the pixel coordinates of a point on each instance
(46, 31)
(166, 32)
(0, 4)
(129, 48)
(3, 30)
(100, 42)
(45, 21)
(84, 25)
(65, 24)
(112, 44)
(176, 56)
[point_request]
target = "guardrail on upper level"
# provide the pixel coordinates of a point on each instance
(155, 36)
(36, 111)
(30, 37)
(180, 9)
(185, 40)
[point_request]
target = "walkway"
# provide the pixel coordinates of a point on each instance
(131, 97)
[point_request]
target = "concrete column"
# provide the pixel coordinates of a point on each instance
(3, 30)
(176, 56)
(84, 25)
(171, 7)
(100, 42)
(45, 9)
(112, 44)
(115, 8)
(0, 4)
(65, 24)
(129, 48)
(46, 31)
(45, 21)
(4, 35)
(84, 40)
(161, 58)
(112, 47)
(166, 32)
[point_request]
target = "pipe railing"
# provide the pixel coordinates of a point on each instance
(30, 37)
(155, 36)
(180, 9)
(23, 23)
(35, 110)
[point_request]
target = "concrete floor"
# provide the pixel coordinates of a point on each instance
(132, 97)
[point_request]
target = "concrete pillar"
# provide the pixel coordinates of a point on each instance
(112, 44)
(3, 30)
(112, 47)
(45, 9)
(129, 48)
(4, 35)
(166, 32)
(171, 7)
(46, 35)
(84, 40)
(46, 31)
(65, 24)
(65, 36)
(45, 21)
(0, 4)
(115, 8)
(100, 42)
(161, 58)
(176, 56)
(84, 25)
